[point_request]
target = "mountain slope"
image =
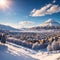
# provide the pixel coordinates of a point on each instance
(5, 27)
(11, 51)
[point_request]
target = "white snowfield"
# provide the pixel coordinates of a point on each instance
(11, 51)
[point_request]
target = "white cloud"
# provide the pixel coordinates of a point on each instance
(33, 11)
(46, 10)
(53, 9)
(54, 1)
(26, 24)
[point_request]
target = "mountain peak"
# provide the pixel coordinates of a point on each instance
(49, 20)
(50, 23)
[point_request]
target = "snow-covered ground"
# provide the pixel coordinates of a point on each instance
(11, 51)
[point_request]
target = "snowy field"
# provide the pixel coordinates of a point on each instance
(40, 31)
(11, 51)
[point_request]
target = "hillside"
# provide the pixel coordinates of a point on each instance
(5, 27)
(11, 51)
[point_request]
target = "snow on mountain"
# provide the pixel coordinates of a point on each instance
(5, 27)
(50, 23)
(11, 51)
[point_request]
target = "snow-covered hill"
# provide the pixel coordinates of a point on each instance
(11, 51)
(5, 27)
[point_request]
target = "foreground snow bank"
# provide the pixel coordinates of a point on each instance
(11, 51)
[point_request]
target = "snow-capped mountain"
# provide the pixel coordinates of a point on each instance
(5, 27)
(50, 23)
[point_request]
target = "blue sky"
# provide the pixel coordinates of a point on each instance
(28, 13)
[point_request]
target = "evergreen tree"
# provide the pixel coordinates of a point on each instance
(3, 39)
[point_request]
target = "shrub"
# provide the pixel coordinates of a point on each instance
(55, 45)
